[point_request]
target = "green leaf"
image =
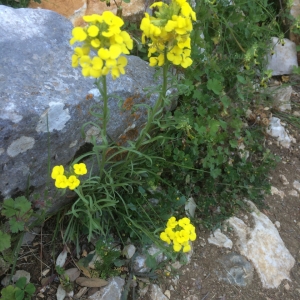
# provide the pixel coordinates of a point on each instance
(215, 86)
(15, 225)
(131, 206)
(214, 173)
(22, 205)
(8, 209)
(119, 262)
(5, 241)
(126, 1)
(151, 262)
(19, 294)
(30, 289)
(225, 101)
(21, 282)
(8, 293)
(213, 126)
(233, 143)
(241, 79)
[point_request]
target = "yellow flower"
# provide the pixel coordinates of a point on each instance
(176, 247)
(186, 247)
(61, 182)
(95, 43)
(164, 237)
(170, 233)
(182, 236)
(78, 52)
(80, 169)
(93, 31)
(119, 68)
(73, 182)
(57, 171)
(184, 222)
(79, 35)
(172, 222)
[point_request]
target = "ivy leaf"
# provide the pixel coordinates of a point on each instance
(8, 209)
(15, 225)
(215, 86)
(5, 241)
(22, 204)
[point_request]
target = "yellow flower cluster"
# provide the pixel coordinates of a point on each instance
(104, 36)
(71, 182)
(169, 31)
(180, 233)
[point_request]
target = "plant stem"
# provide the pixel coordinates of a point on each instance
(103, 91)
(158, 105)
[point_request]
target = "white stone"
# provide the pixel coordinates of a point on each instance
(284, 58)
(129, 251)
(276, 130)
(296, 185)
(156, 293)
(281, 97)
(20, 145)
(275, 191)
(283, 180)
(53, 118)
(293, 193)
(190, 207)
(167, 294)
(277, 224)
(219, 239)
(264, 247)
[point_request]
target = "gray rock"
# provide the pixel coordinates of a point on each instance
(281, 97)
(235, 270)
(220, 239)
(112, 291)
(263, 245)
(44, 101)
(155, 293)
(284, 58)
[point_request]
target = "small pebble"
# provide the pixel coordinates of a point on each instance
(167, 293)
(287, 286)
(277, 224)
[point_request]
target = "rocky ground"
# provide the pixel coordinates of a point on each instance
(222, 265)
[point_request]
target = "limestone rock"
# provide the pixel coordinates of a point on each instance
(112, 291)
(284, 58)
(45, 99)
(156, 293)
(236, 270)
(275, 191)
(296, 185)
(281, 97)
(283, 180)
(276, 130)
(264, 247)
(219, 239)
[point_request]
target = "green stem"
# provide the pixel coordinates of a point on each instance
(103, 91)
(158, 105)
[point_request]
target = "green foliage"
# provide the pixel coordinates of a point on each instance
(204, 149)
(17, 211)
(22, 290)
(110, 262)
(17, 4)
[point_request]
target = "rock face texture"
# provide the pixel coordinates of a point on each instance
(44, 101)
(264, 247)
(74, 10)
(284, 58)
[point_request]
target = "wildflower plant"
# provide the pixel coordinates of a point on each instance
(168, 33)
(69, 179)
(180, 233)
